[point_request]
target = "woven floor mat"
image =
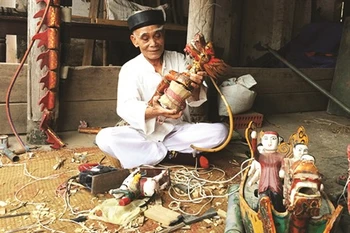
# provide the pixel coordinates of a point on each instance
(33, 187)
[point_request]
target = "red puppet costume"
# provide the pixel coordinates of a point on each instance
(270, 160)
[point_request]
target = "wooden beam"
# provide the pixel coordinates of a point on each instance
(123, 23)
(90, 44)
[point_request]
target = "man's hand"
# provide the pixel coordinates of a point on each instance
(157, 110)
(197, 79)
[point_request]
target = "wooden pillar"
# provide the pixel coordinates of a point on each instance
(282, 24)
(346, 12)
(266, 22)
(89, 46)
(340, 85)
(201, 18)
(235, 37)
(34, 92)
(302, 15)
(222, 29)
(329, 10)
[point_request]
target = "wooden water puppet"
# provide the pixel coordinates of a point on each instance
(176, 87)
(49, 39)
(304, 206)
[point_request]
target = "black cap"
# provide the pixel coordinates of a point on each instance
(145, 18)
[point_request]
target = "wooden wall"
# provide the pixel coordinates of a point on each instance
(277, 22)
(89, 94)
(283, 91)
(18, 98)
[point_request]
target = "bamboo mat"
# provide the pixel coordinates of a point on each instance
(32, 186)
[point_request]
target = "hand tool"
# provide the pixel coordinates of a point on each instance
(189, 219)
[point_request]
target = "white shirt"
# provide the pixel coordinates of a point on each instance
(137, 84)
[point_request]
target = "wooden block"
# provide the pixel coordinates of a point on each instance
(107, 181)
(154, 171)
(162, 215)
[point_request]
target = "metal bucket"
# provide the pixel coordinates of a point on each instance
(4, 143)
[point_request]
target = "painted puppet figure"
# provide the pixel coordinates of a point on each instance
(299, 150)
(270, 161)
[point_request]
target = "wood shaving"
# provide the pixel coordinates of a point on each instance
(208, 221)
(222, 213)
(3, 204)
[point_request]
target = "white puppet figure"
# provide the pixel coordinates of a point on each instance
(150, 185)
(265, 146)
(270, 161)
(299, 150)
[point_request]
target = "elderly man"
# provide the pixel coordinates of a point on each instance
(154, 133)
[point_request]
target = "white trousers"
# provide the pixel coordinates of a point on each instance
(132, 149)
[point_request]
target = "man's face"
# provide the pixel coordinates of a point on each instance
(270, 142)
(150, 40)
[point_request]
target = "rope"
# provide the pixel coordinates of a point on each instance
(14, 78)
(230, 132)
